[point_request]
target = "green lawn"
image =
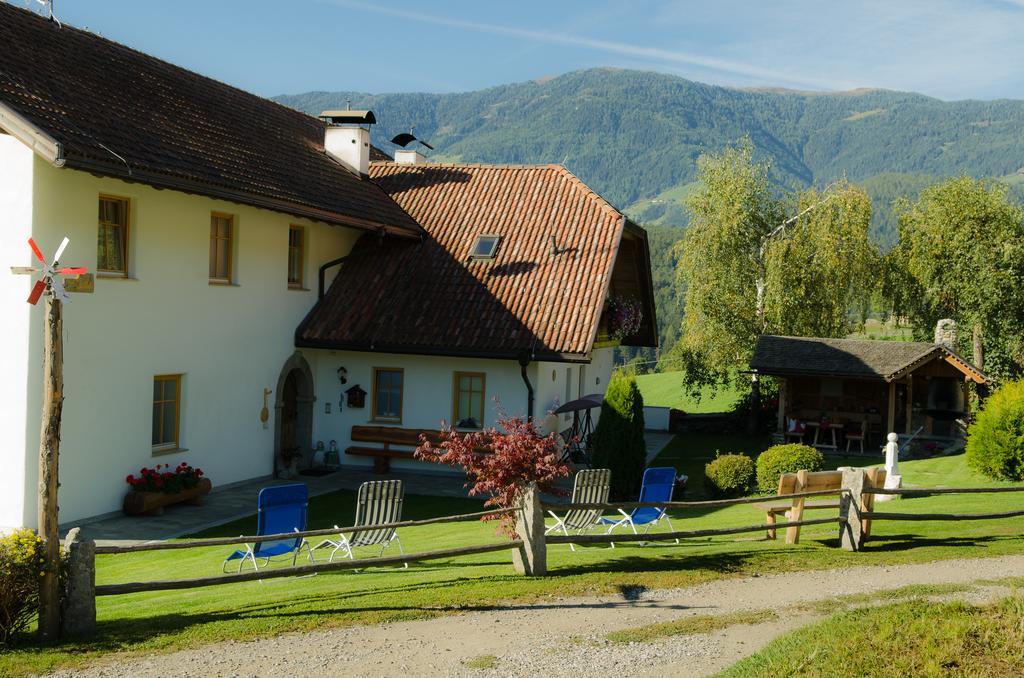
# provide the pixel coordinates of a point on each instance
(916, 638)
(890, 331)
(164, 621)
(665, 389)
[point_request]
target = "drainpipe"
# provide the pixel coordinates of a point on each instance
(524, 362)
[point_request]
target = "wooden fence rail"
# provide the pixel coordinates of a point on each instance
(299, 570)
(628, 505)
(914, 492)
(875, 515)
(679, 534)
(325, 532)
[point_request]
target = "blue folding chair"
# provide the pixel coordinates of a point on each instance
(281, 509)
(657, 485)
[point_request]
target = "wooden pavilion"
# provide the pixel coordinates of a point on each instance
(898, 386)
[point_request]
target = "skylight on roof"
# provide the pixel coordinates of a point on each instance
(485, 247)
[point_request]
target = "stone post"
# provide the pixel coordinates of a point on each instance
(531, 558)
(79, 614)
(851, 527)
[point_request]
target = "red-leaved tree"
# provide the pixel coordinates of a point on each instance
(500, 463)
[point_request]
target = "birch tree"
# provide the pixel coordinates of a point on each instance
(755, 261)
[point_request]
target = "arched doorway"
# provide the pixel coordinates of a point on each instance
(293, 414)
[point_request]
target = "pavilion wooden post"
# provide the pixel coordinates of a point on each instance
(781, 420)
(891, 419)
(49, 448)
(910, 404)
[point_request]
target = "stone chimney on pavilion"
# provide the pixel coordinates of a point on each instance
(347, 138)
(946, 333)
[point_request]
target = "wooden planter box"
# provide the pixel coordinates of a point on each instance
(153, 503)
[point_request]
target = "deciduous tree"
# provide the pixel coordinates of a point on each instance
(961, 255)
(749, 269)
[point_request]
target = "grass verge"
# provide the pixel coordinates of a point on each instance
(688, 626)
(915, 638)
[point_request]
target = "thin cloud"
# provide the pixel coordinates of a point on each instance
(667, 57)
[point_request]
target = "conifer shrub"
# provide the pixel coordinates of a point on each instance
(788, 458)
(995, 441)
(729, 475)
(618, 440)
(21, 570)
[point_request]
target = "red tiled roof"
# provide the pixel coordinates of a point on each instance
(428, 298)
(122, 113)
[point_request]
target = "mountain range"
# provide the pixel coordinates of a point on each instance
(635, 137)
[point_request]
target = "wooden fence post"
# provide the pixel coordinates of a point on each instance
(49, 451)
(796, 514)
(851, 527)
(78, 617)
(531, 558)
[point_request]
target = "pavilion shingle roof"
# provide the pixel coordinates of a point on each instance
(429, 298)
(122, 113)
(863, 358)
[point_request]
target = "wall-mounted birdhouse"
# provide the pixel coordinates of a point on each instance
(356, 397)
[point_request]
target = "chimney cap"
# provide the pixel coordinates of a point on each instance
(348, 117)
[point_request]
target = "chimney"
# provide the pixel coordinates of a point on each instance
(409, 156)
(347, 138)
(946, 333)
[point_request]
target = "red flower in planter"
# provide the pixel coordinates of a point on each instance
(130, 478)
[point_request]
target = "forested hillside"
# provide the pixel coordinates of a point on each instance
(635, 137)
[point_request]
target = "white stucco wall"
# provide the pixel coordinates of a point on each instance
(15, 227)
(427, 393)
(229, 342)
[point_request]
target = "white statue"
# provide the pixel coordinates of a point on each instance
(893, 480)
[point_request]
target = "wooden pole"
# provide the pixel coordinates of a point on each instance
(49, 448)
(781, 417)
(891, 418)
(910, 404)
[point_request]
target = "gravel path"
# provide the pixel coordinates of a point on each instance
(534, 640)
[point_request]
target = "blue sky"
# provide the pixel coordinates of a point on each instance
(951, 49)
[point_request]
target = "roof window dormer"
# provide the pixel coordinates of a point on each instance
(484, 247)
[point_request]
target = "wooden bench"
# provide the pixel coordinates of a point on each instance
(808, 481)
(388, 436)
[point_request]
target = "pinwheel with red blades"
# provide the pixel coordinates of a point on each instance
(51, 274)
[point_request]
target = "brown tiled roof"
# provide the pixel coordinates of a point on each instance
(428, 298)
(122, 113)
(862, 358)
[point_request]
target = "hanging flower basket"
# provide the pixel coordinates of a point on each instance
(155, 488)
(624, 317)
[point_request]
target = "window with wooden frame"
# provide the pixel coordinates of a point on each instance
(222, 228)
(166, 412)
(387, 394)
(296, 256)
(468, 399)
(112, 240)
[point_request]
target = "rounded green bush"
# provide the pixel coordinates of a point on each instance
(729, 475)
(995, 441)
(789, 458)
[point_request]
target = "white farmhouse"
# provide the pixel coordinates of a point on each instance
(239, 246)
